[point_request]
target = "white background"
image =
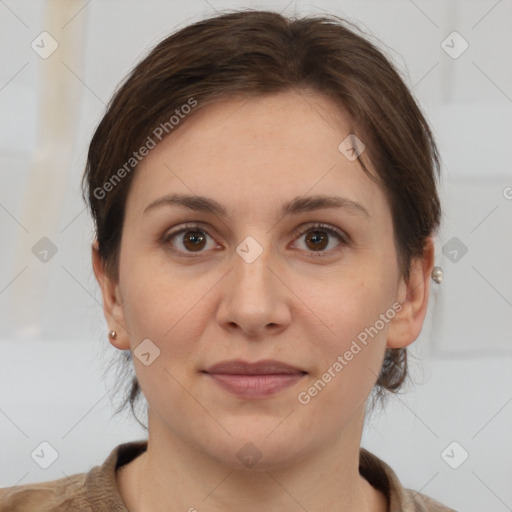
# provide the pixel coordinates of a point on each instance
(53, 337)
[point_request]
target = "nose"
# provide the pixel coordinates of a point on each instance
(254, 299)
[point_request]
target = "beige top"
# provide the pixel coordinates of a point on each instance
(97, 490)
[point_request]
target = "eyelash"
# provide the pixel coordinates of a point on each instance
(339, 235)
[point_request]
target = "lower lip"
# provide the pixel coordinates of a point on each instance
(255, 386)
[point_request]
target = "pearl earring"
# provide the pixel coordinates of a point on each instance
(437, 275)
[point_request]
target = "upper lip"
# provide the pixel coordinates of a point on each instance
(266, 367)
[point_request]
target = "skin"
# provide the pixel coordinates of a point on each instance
(251, 155)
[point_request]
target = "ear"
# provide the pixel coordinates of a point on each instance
(413, 295)
(112, 305)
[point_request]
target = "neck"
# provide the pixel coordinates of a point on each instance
(171, 475)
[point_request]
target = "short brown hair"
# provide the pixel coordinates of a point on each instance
(255, 53)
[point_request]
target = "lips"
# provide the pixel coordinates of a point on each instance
(254, 380)
(267, 367)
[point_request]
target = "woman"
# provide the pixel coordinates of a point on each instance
(264, 195)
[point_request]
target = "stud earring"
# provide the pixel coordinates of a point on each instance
(112, 335)
(437, 275)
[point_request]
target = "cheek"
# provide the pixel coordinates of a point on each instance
(157, 298)
(349, 357)
(171, 309)
(167, 318)
(355, 319)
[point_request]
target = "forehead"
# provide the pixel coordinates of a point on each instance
(257, 150)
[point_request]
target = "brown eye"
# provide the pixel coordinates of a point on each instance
(188, 240)
(318, 237)
(317, 240)
(193, 240)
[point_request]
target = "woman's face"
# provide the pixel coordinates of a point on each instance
(259, 281)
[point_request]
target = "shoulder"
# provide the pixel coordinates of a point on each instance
(95, 491)
(422, 503)
(382, 477)
(62, 494)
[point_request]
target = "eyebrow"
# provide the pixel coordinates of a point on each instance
(300, 204)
